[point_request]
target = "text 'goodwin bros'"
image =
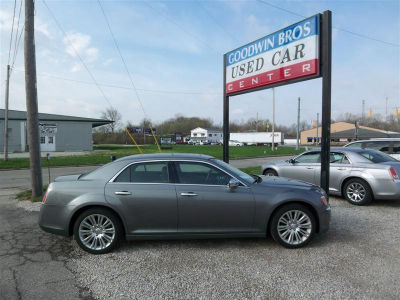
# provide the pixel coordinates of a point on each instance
(291, 53)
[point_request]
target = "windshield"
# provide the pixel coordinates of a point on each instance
(375, 156)
(242, 175)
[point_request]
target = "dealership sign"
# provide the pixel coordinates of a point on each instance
(290, 54)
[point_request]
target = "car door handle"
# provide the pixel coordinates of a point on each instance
(123, 193)
(342, 169)
(189, 194)
(309, 168)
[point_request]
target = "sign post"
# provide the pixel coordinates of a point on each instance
(299, 52)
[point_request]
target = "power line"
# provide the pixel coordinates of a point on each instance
(12, 31)
(76, 53)
(123, 87)
(182, 28)
(16, 53)
(17, 40)
(122, 58)
(337, 28)
(216, 21)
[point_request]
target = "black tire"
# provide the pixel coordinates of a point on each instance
(302, 233)
(104, 231)
(357, 192)
(270, 172)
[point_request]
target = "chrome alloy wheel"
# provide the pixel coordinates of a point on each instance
(96, 232)
(356, 192)
(294, 227)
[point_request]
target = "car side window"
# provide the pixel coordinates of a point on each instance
(311, 157)
(355, 145)
(338, 158)
(200, 173)
(396, 147)
(151, 172)
(380, 146)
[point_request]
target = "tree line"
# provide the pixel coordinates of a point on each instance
(115, 133)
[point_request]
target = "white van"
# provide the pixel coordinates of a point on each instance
(389, 146)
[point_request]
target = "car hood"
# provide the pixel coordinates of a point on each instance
(282, 181)
(68, 178)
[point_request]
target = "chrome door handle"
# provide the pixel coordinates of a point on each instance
(309, 168)
(123, 193)
(188, 194)
(341, 169)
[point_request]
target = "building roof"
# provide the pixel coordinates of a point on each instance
(208, 129)
(344, 129)
(21, 115)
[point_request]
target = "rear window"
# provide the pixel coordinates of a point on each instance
(376, 157)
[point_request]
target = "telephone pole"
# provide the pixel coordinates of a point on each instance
(6, 114)
(298, 125)
(363, 111)
(386, 112)
(273, 119)
(31, 100)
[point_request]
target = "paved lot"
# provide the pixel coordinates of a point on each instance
(358, 258)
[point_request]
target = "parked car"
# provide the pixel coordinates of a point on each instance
(235, 143)
(389, 146)
(180, 196)
(360, 175)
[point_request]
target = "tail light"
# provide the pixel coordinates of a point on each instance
(393, 173)
(323, 200)
(45, 197)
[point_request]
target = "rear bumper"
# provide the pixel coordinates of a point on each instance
(387, 190)
(52, 219)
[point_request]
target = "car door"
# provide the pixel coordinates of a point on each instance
(340, 168)
(206, 204)
(304, 167)
(146, 197)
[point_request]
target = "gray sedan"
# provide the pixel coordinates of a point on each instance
(180, 196)
(360, 175)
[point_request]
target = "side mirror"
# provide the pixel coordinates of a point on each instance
(233, 183)
(292, 161)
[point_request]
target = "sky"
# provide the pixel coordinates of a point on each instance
(174, 53)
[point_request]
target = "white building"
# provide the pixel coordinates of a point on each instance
(206, 135)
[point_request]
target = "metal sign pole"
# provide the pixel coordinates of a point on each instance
(226, 120)
(326, 68)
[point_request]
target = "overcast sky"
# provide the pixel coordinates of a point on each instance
(174, 51)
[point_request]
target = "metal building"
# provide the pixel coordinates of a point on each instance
(57, 132)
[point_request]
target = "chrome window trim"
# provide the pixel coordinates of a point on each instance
(177, 160)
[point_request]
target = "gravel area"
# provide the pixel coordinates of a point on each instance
(29, 205)
(359, 258)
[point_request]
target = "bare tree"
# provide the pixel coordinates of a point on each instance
(111, 114)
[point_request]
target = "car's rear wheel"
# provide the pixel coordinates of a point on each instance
(97, 230)
(357, 192)
(270, 172)
(293, 226)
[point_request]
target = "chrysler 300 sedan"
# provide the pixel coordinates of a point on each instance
(360, 175)
(180, 196)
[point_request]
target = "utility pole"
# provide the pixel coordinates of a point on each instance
(386, 112)
(363, 111)
(6, 114)
(31, 100)
(298, 125)
(317, 127)
(273, 119)
(257, 123)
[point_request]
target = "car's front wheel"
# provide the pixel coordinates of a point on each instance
(293, 226)
(357, 192)
(97, 230)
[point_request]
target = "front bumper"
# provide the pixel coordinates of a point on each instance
(324, 220)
